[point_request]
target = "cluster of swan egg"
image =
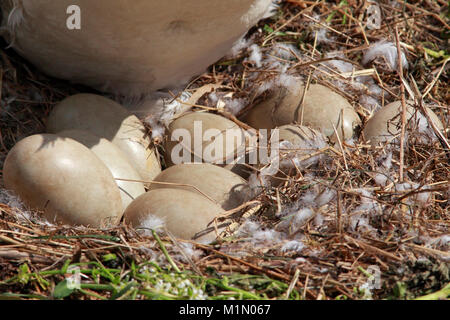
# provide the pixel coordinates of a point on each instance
(44, 170)
(188, 196)
(95, 167)
(306, 118)
(88, 167)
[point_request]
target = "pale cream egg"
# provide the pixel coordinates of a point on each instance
(204, 137)
(220, 185)
(63, 179)
(184, 213)
(385, 124)
(107, 119)
(321, 109)
(125, 175)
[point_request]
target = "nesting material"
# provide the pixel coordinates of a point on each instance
(223, 186)
(421, 198)
(63, 179)
(20, 210)
(263, 115)
(385, 124)
(256, 56)
(257, 234)
(107, 119)
(367, 209)
(300, 142)
(131, 46)
(227, 102)
(204, 137)
(185, 213)
(296, 151)
(117, 162)
(322, 109)
(160, 108)
(387, 51)
(296, 219)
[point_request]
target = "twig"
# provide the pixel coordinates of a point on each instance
(373, 249)
(402, 92)
(170, 184)
(293, 283)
